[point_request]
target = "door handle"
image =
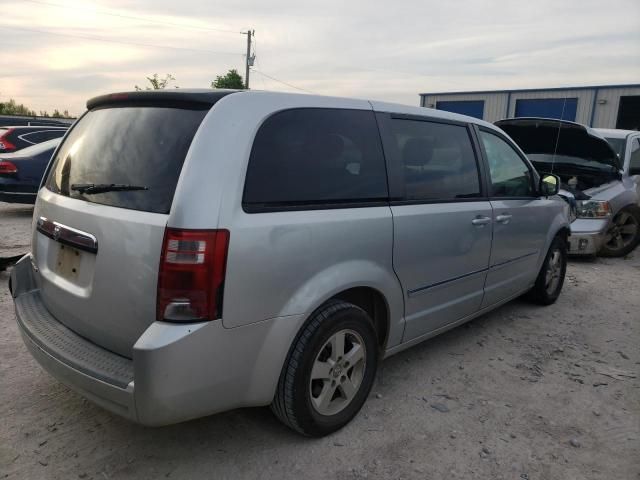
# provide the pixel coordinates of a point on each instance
(503, 218)
(480, 221)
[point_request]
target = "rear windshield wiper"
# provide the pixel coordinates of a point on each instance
(105, 187)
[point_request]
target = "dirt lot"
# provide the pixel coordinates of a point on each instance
(521, 393)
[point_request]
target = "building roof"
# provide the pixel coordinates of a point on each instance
(554, 89)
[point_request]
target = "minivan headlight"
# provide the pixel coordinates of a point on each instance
(593, 209)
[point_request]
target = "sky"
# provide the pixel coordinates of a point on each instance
(59, 53)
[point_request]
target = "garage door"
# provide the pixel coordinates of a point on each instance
(560, 108)
(629, 113)
(473, 108)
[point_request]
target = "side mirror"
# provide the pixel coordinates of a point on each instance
(549, 185)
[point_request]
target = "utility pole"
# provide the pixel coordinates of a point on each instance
(249, 59)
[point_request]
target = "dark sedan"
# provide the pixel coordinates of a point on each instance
(14, 139)
(21, 172)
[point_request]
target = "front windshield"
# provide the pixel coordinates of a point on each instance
(543, 161)
(618, 145)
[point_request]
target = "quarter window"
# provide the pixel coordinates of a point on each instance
(437, 160)
(313, 156)
(510, 176)
(634, 162)
(43, 136)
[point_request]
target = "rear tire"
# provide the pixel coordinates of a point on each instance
(329, 371)
(623, 234)
(549, 283)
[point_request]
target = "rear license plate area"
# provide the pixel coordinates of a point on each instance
(68, 262)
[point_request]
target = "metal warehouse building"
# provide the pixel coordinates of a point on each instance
(603, 106)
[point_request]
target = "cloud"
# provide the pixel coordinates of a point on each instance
(369, 49)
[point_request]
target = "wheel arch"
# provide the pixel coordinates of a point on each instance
(366, 297)
(375, 304)
(565, 232)
(366, 284)
(559, 226)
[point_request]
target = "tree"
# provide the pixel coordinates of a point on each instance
(158, 83)
(231, 80)
(57, 114)
(12, 108)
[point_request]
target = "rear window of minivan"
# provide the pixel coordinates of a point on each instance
(140, 146)
(315, 158)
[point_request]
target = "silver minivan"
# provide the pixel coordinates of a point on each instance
(196, 251)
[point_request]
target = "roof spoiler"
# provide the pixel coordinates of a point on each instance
(204, 97)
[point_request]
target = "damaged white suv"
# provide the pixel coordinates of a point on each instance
(602, 184)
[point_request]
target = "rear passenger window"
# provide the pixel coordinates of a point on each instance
(437, 160)
(313, 156)
(634, 162)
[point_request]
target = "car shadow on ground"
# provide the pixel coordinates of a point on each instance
(583, 259)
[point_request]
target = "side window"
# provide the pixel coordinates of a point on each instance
(312, 156)
(634, 162)
(50, 135)
(41, 136)
(437, 160)
(510, 176)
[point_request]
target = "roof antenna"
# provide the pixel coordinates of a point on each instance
(555, 150)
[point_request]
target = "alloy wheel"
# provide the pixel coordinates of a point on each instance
(554, 269)
(337, 372)
(622, 232)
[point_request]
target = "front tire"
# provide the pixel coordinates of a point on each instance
(329, 371)
(549, 283)
(623, 235)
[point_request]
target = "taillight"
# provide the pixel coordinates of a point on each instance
(7, 168)
(5, 144)
(191, 276)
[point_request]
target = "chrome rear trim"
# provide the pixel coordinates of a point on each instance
(68, 235)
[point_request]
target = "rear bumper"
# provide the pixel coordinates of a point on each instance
(587, 236)
(113, 398)
(15, 197)
(178, 371)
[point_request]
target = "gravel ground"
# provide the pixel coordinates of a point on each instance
(524, 392)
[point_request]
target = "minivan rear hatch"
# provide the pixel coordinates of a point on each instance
(101, 216)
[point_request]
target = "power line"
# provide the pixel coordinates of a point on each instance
(283, 82)
(133, 17)
(255, 52)
(122, 42)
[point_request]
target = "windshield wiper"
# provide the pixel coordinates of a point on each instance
(90, 188)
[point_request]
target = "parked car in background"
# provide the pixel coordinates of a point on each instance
(626, 144)
(24, 120)
(275, 247)
(21, 172)
(15, 138)
(606, 187)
